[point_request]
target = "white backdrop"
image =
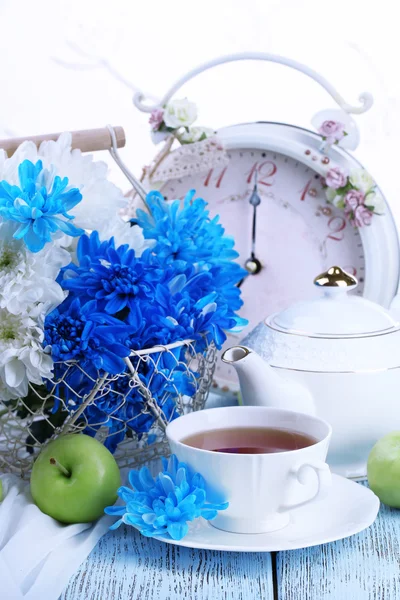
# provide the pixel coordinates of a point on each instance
(73, 64)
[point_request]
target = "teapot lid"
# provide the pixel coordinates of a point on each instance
(335, 313)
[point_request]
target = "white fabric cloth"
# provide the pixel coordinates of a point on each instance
(38, 555)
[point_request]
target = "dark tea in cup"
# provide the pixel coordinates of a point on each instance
(250, 440)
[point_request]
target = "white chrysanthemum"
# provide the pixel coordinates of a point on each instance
(123, 233)
(101, 198)
(22, 357)
(27, 278)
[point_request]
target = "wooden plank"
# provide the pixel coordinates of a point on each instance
(127, 566)
(87, 140)
(363, 567)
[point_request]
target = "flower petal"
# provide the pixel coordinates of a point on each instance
(115, 510)
(14, 373)
(177, 531)
(167, 483)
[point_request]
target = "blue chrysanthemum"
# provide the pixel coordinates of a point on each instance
(39, 211)
(163, 506)
(123, 414)
(122, 407)
(185, 233)
(81, 333)
(194, 308)
(113, 276)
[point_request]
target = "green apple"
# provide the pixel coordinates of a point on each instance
(74, 478)
(384, 469)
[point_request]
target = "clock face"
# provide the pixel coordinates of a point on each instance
(298, 234)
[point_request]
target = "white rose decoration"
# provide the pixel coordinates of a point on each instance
(180, 113)
(375, 199)
(362, 180)
(333, 197)
(195, 134)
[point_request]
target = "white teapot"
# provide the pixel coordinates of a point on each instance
(337, 356)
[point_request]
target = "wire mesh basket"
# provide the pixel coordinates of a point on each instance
(127, 412)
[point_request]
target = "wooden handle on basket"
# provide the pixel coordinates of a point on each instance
(87, 140)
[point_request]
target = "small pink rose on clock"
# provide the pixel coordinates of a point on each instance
(332, 131)
(156, 118)
(336, 178)
(354, 198)
(360, 216)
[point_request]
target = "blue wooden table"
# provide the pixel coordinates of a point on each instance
(127, 566)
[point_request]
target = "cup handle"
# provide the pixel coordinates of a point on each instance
(324, 481)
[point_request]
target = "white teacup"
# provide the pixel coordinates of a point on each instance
(261, 488)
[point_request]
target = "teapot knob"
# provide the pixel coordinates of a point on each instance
(336, 277)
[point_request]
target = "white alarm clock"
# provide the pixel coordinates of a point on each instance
(271, 197)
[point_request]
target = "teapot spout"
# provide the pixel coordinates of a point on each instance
(260, 385)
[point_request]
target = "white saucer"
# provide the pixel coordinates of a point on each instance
(357, 471)
(348, 509)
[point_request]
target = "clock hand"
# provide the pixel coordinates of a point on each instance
(253, 265)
